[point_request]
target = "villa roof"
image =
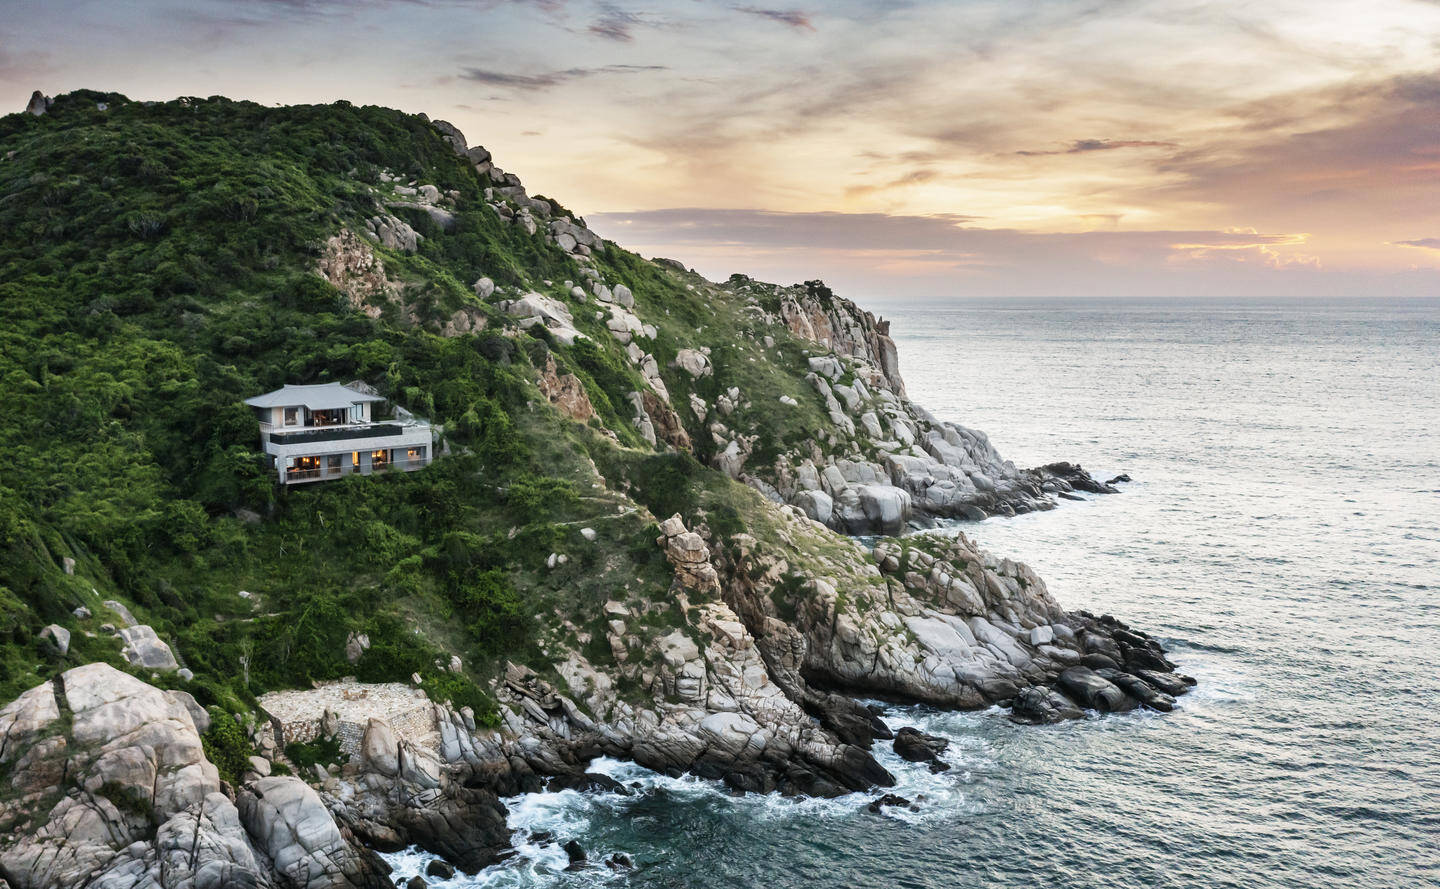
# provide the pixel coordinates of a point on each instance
(319, 397)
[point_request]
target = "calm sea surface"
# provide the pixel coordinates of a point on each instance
(1282, 536)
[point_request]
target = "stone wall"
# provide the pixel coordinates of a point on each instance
(343, 708)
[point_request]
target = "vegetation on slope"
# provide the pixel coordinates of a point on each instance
(160, 268)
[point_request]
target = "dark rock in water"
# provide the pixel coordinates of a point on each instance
(1139, 689)
(1098, 661)
(416, 883)
(439, 869)
(881, 730)
(619, 861)
(1094, 642)
(592, 782)
(800, 781)
(1077, 478)
(1043, 706)
(541, 837)
(1092, 690)
(1066, 495)
(889, 799)
(916, 746)
(858, 770)
(1170, 683)
(1145, 659)
(748, 780)
(1122, 477)
(576, 853)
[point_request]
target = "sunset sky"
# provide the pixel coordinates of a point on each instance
(892, 148)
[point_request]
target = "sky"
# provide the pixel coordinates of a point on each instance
(894, 148)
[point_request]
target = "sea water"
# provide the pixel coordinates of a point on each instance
(1281, 536)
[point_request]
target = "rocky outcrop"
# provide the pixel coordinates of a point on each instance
(393, 233)
(108, 786)
(885, 464)
(506, 195)
(537, 309)
(401, 793)
(666, 423)
(812, 312)
(291, 826)
(39, 103)
(566, 392)
(145, 649)
(348, 263)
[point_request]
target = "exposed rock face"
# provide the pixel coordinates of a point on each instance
(292, 827)
(813, 313)
(566, 392)
(403, 793)
(394, 233)
(665, 421)
(349, 264)
(114, 771)
(916, 746)
(688, 552)
(39, 104)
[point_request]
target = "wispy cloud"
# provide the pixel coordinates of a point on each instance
(615, 24)
(548, 79)
(1083, 146)
(792, 17)
(914, 177)
(1421, 243)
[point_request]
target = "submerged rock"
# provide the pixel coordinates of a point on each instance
(891, 800)
(916, 746)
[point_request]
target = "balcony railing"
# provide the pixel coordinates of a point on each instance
(336, 433)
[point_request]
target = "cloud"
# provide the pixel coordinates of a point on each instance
(1082, 146)
(941, 232)
(548, 79)
(1422, 243)
(914, 177)
(889, 254)
(615, 24)
(792, 17)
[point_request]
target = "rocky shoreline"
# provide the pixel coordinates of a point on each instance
(107, 784)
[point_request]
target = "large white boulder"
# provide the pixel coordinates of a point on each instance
(144, 648)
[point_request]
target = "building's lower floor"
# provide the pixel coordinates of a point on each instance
(338, 464)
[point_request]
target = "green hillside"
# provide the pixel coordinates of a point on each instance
(160, 267)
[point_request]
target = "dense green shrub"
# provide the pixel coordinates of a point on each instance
(226, 747)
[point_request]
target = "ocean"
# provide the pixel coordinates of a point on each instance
(1281, 537)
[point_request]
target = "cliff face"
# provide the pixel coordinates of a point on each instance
(813, 313)
(638, 539)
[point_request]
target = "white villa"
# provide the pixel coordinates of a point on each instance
(325, 431)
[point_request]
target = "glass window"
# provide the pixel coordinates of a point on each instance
(333, 462)
(416, 453)
(292, 416)
(380, 459)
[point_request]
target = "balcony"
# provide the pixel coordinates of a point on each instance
(336, 433)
